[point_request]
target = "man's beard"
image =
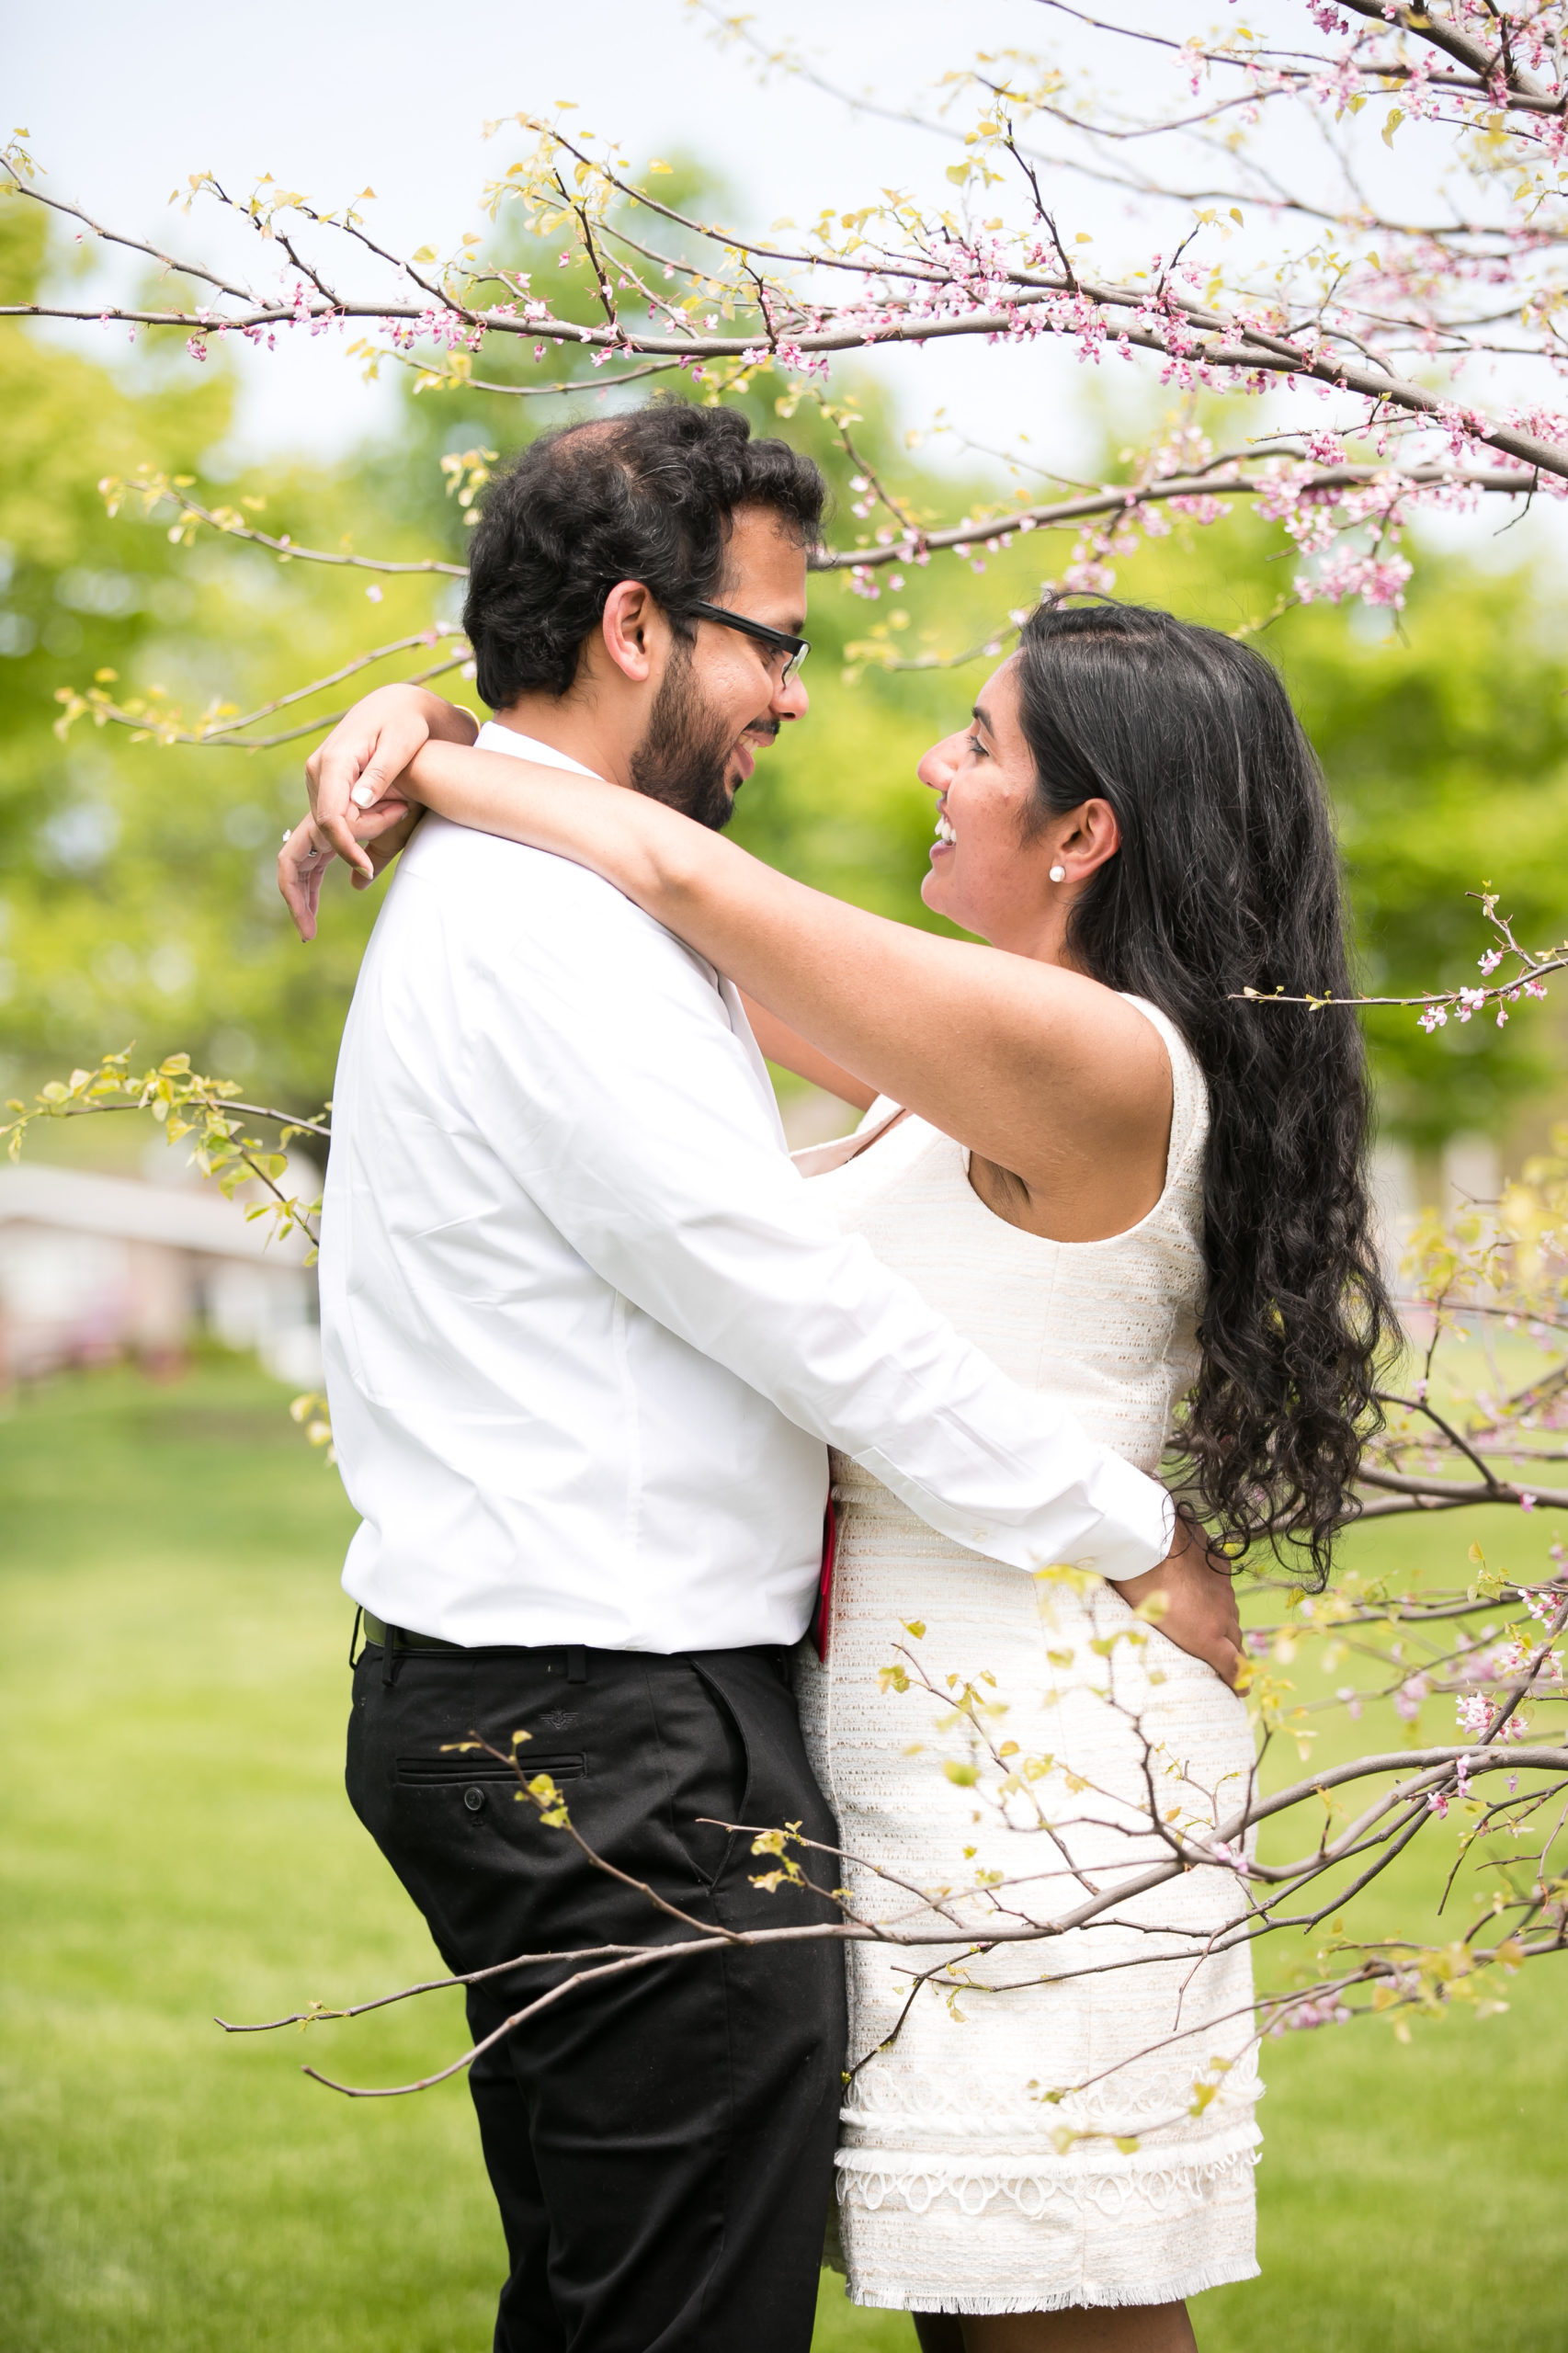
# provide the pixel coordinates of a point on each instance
(682, 758)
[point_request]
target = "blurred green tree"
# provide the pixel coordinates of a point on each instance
(137, 896)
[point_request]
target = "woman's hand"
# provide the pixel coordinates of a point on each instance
(380, 834)
(358, 766)
(1199, 1615)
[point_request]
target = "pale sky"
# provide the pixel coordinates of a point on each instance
(122, 103)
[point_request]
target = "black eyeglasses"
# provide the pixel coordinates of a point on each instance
(779, 639)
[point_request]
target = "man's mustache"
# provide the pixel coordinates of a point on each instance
(765, 731)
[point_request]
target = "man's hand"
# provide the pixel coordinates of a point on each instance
(357, 766)
(1200, 1614)
(306, 855)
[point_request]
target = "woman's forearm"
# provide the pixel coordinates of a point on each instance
(677, 872)
(645, 849)
(637, 845)
(785, 1047)
(748, 919)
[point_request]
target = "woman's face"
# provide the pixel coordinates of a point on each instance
(988, 874)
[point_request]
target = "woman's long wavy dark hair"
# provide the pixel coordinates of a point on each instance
(1228, 879)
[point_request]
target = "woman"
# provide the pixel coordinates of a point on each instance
(1131, 1189)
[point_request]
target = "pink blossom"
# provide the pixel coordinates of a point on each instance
(1317, 2010)
(1082, 579)
(1234, 1857)
(1346, 572)
(1408, 1698)
(1326, 448)
(1202, 509)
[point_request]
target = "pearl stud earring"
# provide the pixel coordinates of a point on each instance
(1058, 874)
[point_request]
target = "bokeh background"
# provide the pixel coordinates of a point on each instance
(176, 1843)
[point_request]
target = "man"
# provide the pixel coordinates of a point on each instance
(585, 1340)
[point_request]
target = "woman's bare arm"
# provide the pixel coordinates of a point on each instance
(1040, 1070)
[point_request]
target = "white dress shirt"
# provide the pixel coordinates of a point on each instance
(586, 1337)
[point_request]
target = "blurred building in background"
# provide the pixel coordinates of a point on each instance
(1467, 1173)
(96, 1266)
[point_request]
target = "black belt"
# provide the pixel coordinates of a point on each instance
(390, 1640)
(402, 1637)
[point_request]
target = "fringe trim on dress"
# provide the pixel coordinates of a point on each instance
(881, 2297)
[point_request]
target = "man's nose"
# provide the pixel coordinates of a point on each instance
(791, 699)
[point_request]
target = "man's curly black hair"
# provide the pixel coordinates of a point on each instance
(648, 496)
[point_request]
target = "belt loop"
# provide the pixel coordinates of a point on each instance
(389, 1655)
(354, 1637)
(576, 1663)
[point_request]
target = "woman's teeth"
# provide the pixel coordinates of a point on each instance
(944, 828)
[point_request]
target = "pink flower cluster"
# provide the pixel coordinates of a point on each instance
(1235, 1858)
(1408, 1698)
(1301, 2016)
(1377, 580)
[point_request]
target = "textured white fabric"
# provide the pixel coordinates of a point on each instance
(586, 1332)
(963, 2187)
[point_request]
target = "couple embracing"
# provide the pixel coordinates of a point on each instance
(601, 1357)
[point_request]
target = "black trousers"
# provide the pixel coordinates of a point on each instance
(661, 2143)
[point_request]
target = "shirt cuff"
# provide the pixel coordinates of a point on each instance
(1139, 1523)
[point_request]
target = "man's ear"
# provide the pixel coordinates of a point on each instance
(630, 627)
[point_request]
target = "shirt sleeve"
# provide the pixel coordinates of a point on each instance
(602, 1064)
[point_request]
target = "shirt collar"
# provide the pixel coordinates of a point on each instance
(493, 737)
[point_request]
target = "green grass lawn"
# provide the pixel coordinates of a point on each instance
(176, 1843)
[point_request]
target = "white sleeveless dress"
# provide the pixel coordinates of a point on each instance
(1029, 2145)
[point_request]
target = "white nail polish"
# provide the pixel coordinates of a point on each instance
(362, 796)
